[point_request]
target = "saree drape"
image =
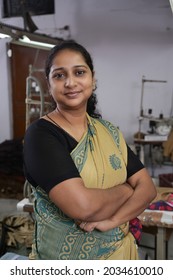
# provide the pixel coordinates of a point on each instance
(101, 159)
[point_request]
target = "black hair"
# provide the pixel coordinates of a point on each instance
(72, 45)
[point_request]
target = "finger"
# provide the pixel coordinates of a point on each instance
(89, 227)
(83, 225)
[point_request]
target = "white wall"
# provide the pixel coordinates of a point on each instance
(5, 98)
(125, 45)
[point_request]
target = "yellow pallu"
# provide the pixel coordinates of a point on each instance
(101, 158)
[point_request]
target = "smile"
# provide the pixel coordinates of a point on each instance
(72, 93)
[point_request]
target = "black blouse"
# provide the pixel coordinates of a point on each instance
(47, 159)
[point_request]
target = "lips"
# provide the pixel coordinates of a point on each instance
(72, 94)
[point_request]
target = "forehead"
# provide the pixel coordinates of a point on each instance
(69, 58)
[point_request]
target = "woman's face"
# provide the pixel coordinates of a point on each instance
(70, 80)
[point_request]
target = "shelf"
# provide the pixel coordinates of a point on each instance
(140, 118)
(146, 142)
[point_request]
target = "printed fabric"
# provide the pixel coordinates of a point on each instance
(101, 158)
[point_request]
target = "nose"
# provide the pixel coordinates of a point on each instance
(70, 81)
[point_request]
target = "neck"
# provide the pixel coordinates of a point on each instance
(72, 118)
(75, 123)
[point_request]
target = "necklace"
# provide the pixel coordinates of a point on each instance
(60, 127)
(69, 123)
(47, 115)
(63, 117)
(72, 131)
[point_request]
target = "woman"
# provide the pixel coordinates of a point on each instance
(84, 176)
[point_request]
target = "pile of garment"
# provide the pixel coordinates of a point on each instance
(163, 200)
(11, 169)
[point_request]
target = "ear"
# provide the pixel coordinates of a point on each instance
(93, 74)
(48, 87)
(94, 82)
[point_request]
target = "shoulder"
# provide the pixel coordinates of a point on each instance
(108, 124)
(113, 130)
(39, 124)
(41, 127)
(44, 133)
(117, 136)
(40, 133)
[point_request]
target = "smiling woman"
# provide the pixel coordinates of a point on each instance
(84, 177)
(70, 84)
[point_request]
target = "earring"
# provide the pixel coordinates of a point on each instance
(94, 87)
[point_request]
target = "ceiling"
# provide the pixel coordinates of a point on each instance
(142, 6)
(123, 16)
(120, 14)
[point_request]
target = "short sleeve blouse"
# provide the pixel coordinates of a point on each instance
(47, 159)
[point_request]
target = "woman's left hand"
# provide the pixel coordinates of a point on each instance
(88, 226)
(101, 225)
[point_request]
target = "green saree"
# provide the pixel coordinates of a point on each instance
(101, 159)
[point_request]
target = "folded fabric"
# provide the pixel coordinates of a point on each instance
(161, 205)
(170, 200)
(163, 193)
(13, 256)
(135, 227)
(163, 201)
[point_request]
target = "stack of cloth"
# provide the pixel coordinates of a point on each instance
(160, 210)
(163, 200)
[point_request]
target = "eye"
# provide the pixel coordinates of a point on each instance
(59, 76)
(80, 72)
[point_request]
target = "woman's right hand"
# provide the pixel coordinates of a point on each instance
(89, 204)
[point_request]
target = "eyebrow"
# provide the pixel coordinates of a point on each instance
(62, 68)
